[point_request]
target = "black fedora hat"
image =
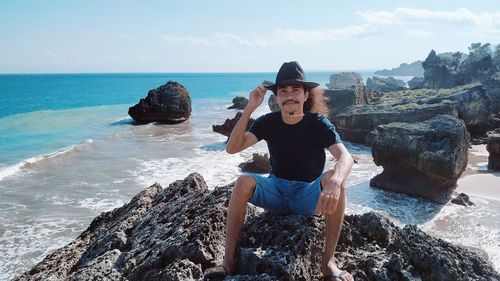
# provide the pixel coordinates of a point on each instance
(291, 73)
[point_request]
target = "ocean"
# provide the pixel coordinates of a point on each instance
(69, 151)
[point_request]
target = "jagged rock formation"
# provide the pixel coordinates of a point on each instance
(382, 85)
(239, 103)
(451, 71)
(177, 232)
(423, 159)
(169, 103)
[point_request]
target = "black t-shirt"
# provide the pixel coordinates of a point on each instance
(297, 152)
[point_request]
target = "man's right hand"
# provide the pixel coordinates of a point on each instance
(256, 97)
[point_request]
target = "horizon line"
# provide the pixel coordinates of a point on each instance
(184, 72)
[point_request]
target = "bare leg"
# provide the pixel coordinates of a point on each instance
(333, 226)
(242, 193)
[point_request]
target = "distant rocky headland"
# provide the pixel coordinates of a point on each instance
(415, 68)
(404, 69)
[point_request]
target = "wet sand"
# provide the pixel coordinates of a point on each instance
(477, 180)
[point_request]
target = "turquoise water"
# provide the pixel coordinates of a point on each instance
(39, 113)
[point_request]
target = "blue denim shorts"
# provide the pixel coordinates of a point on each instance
(284, 196)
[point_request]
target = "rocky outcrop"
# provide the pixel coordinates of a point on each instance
(169, 103)
(491, 86)
(338, 100)
(382, 85)
(493, 148)
(437, 73)
(239, 103)
(416, 83)
(423, 159)
(258, 164)
(451, 71)
(474, 107)
(471, 103)
(344, 80)
(228, 126)
(177, 232)
(355, 123)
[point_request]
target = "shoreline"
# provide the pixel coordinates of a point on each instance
(476, 180)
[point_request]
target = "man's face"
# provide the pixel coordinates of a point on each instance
(291, 98)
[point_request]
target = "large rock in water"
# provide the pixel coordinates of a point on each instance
(389, 84)
(169, 103)
(344, 80)
(239, 103)
(493, 148)
(177, 232)
(228, 126)
(423, 159)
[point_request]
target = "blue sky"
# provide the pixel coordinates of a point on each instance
(235, 36)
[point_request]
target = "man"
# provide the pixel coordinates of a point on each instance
(296, 137)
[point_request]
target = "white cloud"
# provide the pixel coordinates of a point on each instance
(485, 24)
(279, 36)
(409, 15)
(315, 36)
(378, 17)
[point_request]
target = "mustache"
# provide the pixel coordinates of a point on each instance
(287, 101)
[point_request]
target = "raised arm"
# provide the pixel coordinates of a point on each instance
(239, 139)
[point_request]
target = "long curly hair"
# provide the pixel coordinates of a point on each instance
(316, 101)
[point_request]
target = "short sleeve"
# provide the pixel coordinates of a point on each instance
(326, 132)
(258, 127)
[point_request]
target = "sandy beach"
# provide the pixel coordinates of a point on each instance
(477, 180)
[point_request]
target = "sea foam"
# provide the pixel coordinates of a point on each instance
(25, 165)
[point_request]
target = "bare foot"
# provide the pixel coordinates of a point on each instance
(218, 272)
(333, 273)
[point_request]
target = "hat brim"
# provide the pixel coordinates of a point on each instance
(308, 85)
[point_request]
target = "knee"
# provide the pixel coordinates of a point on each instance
(244, 187)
